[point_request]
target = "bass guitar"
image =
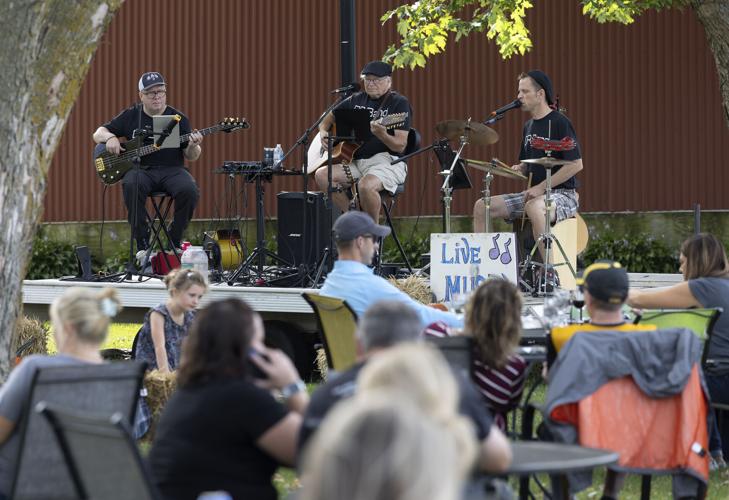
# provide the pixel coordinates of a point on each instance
(344, 151)
(111, 168)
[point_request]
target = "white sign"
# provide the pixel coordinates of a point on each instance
(459, 262)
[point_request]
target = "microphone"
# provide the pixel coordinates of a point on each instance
(516, 103)
(167, 131)
(352, 87)
(503, 109)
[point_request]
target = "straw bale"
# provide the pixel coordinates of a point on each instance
(160, 387)
(416, 287)
(31, 335)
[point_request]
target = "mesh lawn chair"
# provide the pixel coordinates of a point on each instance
(457, 351)
(100, 390)
(699, 321)
(101, 456)
(601, 402)
(337, 323)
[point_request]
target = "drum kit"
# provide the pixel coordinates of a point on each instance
(469, 132)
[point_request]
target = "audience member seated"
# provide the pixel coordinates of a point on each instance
(80, 319)
(605, 286)
(703, 263)
(357, 237)
(384, 326)
(493, 319)
(418, 372)
(381, 446)
(223, 429)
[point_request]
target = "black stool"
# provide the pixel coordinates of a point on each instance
(157, 220)
(388, 203)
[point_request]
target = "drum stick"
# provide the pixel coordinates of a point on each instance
(523, 215)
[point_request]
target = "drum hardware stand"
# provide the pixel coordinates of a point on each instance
(487, 199)
(549, 276)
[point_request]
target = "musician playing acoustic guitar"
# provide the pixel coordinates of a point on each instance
(537, 98)
(162, 170)
(370, 165)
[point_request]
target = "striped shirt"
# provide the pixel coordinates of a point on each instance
(500, 388)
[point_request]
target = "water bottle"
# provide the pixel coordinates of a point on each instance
(277, 156)
(196, 259)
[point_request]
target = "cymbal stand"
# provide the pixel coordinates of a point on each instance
(487, 199)
(548, 282)
(446, 188)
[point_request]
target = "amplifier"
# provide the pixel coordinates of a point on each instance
(291, 209)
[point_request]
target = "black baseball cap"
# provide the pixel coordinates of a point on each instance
(543, 81)
(149, 80)
(606, 280)
(377, 68)
(355, 223)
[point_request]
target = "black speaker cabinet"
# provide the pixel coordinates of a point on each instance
(291, 206)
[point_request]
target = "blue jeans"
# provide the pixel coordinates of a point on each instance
(718, 386)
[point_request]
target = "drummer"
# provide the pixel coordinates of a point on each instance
(537, 99)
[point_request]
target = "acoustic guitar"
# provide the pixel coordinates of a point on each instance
(344, 151)
(111, 168)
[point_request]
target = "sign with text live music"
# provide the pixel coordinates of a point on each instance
(459, 262)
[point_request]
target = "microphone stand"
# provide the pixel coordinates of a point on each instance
(302, 141)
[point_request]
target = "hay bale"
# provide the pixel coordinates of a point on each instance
(160, 387)
(321, 363)
(416, 287)
(31, 337)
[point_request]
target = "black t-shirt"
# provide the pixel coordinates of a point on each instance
(125, 123)
(554, 126)
(393, 103)
(206, 441)
(344, 385)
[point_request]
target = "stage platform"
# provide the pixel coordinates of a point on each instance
(283, 304)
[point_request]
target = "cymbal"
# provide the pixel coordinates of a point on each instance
(476, 133)
(494, 168)
(546, 161)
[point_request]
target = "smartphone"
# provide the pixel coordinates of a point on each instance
(256, 372)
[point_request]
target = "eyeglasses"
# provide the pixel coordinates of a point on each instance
(155, 93)
(368, 236)
(373, 81)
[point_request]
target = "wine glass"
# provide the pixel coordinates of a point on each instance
(578, 300)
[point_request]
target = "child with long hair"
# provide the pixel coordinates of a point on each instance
(159, 341)
(493, 320)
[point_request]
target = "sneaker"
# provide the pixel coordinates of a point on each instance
(142, 259)
(717, 463)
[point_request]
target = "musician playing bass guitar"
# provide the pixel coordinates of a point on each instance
(162, 170)
(370, 166)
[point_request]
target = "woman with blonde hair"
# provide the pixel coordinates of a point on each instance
(80, 319)
(703, 263)
(380, 446)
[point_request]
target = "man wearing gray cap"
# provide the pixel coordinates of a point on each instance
(370, 167)
(356, 236)
(162, 170)
(537, 98)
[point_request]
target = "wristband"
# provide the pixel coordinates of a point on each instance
(294, 388)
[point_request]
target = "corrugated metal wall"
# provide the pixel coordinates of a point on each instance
(644, 99)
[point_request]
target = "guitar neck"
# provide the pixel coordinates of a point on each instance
(150, 148)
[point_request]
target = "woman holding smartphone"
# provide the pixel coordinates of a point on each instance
(223, 429)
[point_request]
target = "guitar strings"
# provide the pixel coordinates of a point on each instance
(144, 150)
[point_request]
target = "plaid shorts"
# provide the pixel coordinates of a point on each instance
(565, 202)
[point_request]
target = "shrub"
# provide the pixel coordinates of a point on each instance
(639, 254)
(50, 258)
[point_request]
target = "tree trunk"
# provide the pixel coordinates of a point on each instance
(45, 56)
(714, 15)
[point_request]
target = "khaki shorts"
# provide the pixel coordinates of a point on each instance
(379, 166)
